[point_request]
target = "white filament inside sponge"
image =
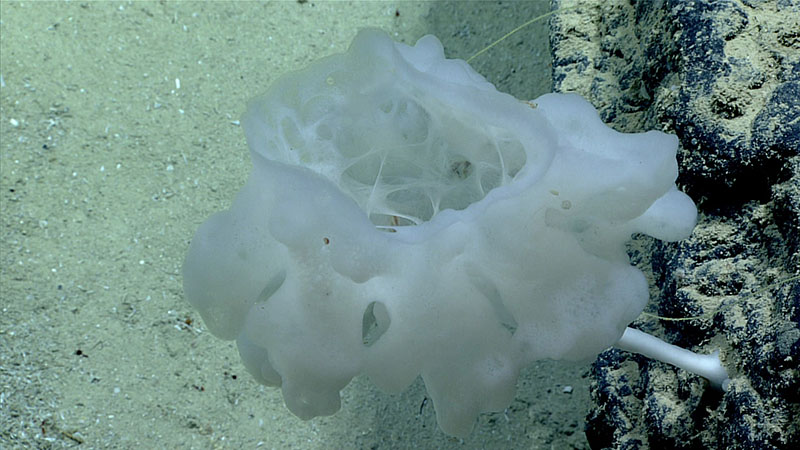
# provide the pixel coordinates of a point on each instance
(400, 153)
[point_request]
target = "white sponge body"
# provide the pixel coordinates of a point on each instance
(404, 218)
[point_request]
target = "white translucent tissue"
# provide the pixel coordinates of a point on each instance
(404, 218)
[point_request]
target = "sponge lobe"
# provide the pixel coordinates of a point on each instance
(404, 218)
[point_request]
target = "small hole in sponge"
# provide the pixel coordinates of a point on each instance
(374, 323)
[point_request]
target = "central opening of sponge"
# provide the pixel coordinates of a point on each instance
(404, 157)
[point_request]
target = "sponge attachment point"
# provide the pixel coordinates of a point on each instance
(707, 366)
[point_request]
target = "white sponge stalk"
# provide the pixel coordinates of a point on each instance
(707, 366)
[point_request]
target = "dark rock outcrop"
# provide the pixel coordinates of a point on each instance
(725, 77)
